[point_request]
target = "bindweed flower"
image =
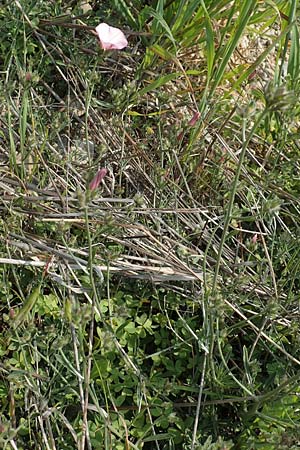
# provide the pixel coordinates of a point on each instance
(191, 123)
(111, 38)
(97, 179)
(254, 238)
(194, 119)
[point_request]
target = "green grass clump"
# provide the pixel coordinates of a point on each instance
(160, 310)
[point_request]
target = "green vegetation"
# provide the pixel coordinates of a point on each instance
(160, 310)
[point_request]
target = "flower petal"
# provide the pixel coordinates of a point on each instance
(111, 38)
(97, 179)
(194, 119)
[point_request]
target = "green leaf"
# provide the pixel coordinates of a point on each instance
(157, 437)
(130, 328)
(23, 313)
(162, 52)
(158, 83)
(160, 24)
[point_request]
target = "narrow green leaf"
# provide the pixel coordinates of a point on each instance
(236, 34)
(210, 48)
(160, 51)
(259, 60)
(294, 57)
(159, 20)
(123, 7)
(23, 313)
(157, 83)
(157, 437)
(184, 14)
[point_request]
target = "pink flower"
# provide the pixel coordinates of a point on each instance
(111, 38)
(194, 119)
(192, 122)
(97, 179)
(180, 136)
(254, 238)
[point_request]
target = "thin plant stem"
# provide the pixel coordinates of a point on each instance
(232, 196)
(197, 415)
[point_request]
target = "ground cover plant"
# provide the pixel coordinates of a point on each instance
(149, 246)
